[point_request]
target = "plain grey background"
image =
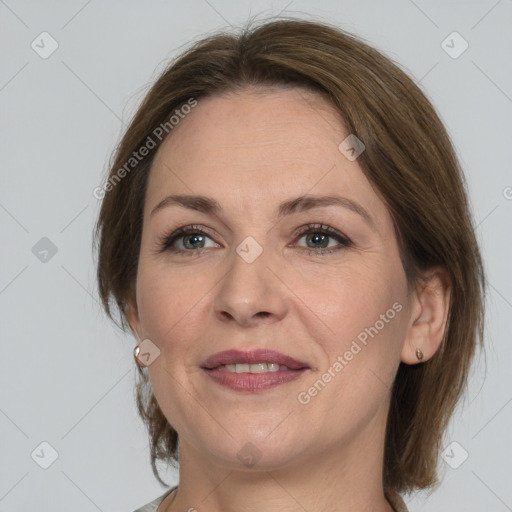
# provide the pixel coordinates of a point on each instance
(67, 372)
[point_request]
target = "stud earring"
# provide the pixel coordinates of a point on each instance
(136, 352)
(419, 354)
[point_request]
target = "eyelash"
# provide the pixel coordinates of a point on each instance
(166, 241)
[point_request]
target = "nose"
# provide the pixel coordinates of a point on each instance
(251, 293)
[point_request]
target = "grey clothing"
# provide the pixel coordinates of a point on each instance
(151, 507)
(396, 502)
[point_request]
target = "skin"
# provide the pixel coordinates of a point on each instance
(250, 151)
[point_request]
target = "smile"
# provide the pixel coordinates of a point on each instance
(252, 371)
(252, 368)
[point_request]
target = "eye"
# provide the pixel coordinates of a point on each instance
(318, 235)
(192, 239)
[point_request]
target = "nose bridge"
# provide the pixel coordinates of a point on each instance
(250, 289)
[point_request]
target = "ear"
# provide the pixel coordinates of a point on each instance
(132, 315)
(430, 306)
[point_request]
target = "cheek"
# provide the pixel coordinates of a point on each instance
(165, 301)
(362, 306)
(167, 309)
(349, 297)
(368, 320)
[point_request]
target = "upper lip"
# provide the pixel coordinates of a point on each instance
(251, 357)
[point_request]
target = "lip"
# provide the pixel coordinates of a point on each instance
(252, 382)
(252, 357)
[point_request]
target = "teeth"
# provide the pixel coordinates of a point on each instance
(252, 368)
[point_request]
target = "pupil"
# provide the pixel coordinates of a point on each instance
(195, 237)
(319, 237)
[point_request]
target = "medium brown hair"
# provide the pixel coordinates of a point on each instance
(408, 158)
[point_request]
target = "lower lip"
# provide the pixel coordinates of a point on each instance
(252, 382)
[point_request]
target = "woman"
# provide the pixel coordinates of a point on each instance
(286, 232)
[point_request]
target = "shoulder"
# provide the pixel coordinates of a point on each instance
(153, 505)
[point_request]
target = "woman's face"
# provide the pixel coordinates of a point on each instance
(254, 276)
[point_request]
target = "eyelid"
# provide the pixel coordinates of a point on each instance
(166, 241)
(344, 242)
(316, 226)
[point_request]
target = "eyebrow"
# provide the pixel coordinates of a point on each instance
(210, 206)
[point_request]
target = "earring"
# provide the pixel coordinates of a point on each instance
(136, 352)
(419, 354)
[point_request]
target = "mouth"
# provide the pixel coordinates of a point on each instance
(254, 361)
(253, 371)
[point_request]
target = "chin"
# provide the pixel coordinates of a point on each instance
(252, 451)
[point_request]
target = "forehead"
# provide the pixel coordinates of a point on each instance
(257, 123)
(253, 149)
